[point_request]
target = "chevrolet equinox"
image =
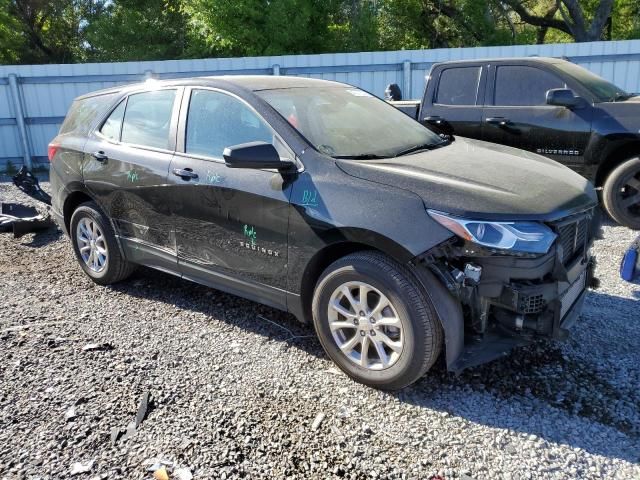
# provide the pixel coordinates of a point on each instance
(320, 199)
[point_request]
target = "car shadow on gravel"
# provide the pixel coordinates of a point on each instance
(522, 385)
(44, 238)
(253, 317)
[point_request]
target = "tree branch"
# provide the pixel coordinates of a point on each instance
(537, 21)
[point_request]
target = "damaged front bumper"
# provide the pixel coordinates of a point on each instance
(509, 300)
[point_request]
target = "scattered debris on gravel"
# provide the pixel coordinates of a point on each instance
(219, 387)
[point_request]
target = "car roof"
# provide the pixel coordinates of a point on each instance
(253, 83)
(533, 59)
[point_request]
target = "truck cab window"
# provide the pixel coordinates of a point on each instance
(519, 85)
(458, 86)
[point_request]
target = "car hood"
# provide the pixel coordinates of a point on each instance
(482, 180)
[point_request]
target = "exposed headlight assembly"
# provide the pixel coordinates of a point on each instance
(526, 237)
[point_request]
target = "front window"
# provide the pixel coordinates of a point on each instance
(217, 120)
(345, 122)
(523, 86)
(602, 90)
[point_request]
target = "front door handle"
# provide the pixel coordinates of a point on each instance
(100, 156)
(434, 120)
(185, 173)
(500, 121)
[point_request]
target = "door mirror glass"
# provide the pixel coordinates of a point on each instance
(563, 97)
(254, 155)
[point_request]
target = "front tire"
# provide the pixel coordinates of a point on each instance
(375, 321)
(96, 247)
(621, 194)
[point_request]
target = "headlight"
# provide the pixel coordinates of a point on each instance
(527, 237)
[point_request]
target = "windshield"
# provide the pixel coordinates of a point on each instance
(602, 90)
(345, 122)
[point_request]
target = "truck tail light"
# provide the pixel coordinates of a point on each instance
(53, 149)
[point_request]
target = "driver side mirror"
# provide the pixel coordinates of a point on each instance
(563, 97)
(255, 155)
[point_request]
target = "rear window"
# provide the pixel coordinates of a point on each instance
(83, 113)
(147, 118)
(458, 86)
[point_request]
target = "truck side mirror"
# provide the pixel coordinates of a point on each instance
(392, 93)
(563, 97)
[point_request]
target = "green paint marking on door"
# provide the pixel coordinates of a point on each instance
(132, 176)
(213, 178)
(310, 198)
(250, 233)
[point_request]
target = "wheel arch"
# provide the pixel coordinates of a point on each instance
(346, 241)
(73, 200)
(615, 158)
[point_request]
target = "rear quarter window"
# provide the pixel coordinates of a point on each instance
(84, 112)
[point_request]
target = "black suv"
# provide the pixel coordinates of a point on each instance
(545, 105)
(319, 199)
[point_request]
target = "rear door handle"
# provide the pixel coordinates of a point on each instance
(435, 120)
(100, 156)
(185, 173)
(501, 121)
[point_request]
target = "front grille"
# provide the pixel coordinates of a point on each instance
(532, 304)
(569, 297)
(573, 236)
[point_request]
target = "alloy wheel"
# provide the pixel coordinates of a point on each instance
(92, 244)
(365, 326)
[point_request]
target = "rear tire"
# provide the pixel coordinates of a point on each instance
(96, 247)
(621, 194)
(400, 330)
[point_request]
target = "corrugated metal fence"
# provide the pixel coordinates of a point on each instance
(35, 98)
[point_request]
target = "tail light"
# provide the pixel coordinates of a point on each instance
(53, 149)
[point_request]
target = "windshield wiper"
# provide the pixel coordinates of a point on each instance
(424, 146)
(362, 156)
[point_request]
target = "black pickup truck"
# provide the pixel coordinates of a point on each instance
(544, 105)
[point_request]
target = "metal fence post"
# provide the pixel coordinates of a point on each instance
(19, 113)
(406, 80)
(276, 69)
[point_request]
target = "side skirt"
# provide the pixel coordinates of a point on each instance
(163, 260)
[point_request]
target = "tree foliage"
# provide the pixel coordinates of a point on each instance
(59, 31)
(138, 30)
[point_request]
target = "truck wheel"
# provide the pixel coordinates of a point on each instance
(621, 194)
(96, 246)
(375, 321)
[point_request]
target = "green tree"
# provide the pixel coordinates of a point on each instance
(261, 27)
(12, 44)
(42, 31)
(137, 30)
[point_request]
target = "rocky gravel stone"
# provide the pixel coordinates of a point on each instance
(239, 390)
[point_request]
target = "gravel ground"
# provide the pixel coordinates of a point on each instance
(239, 390)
